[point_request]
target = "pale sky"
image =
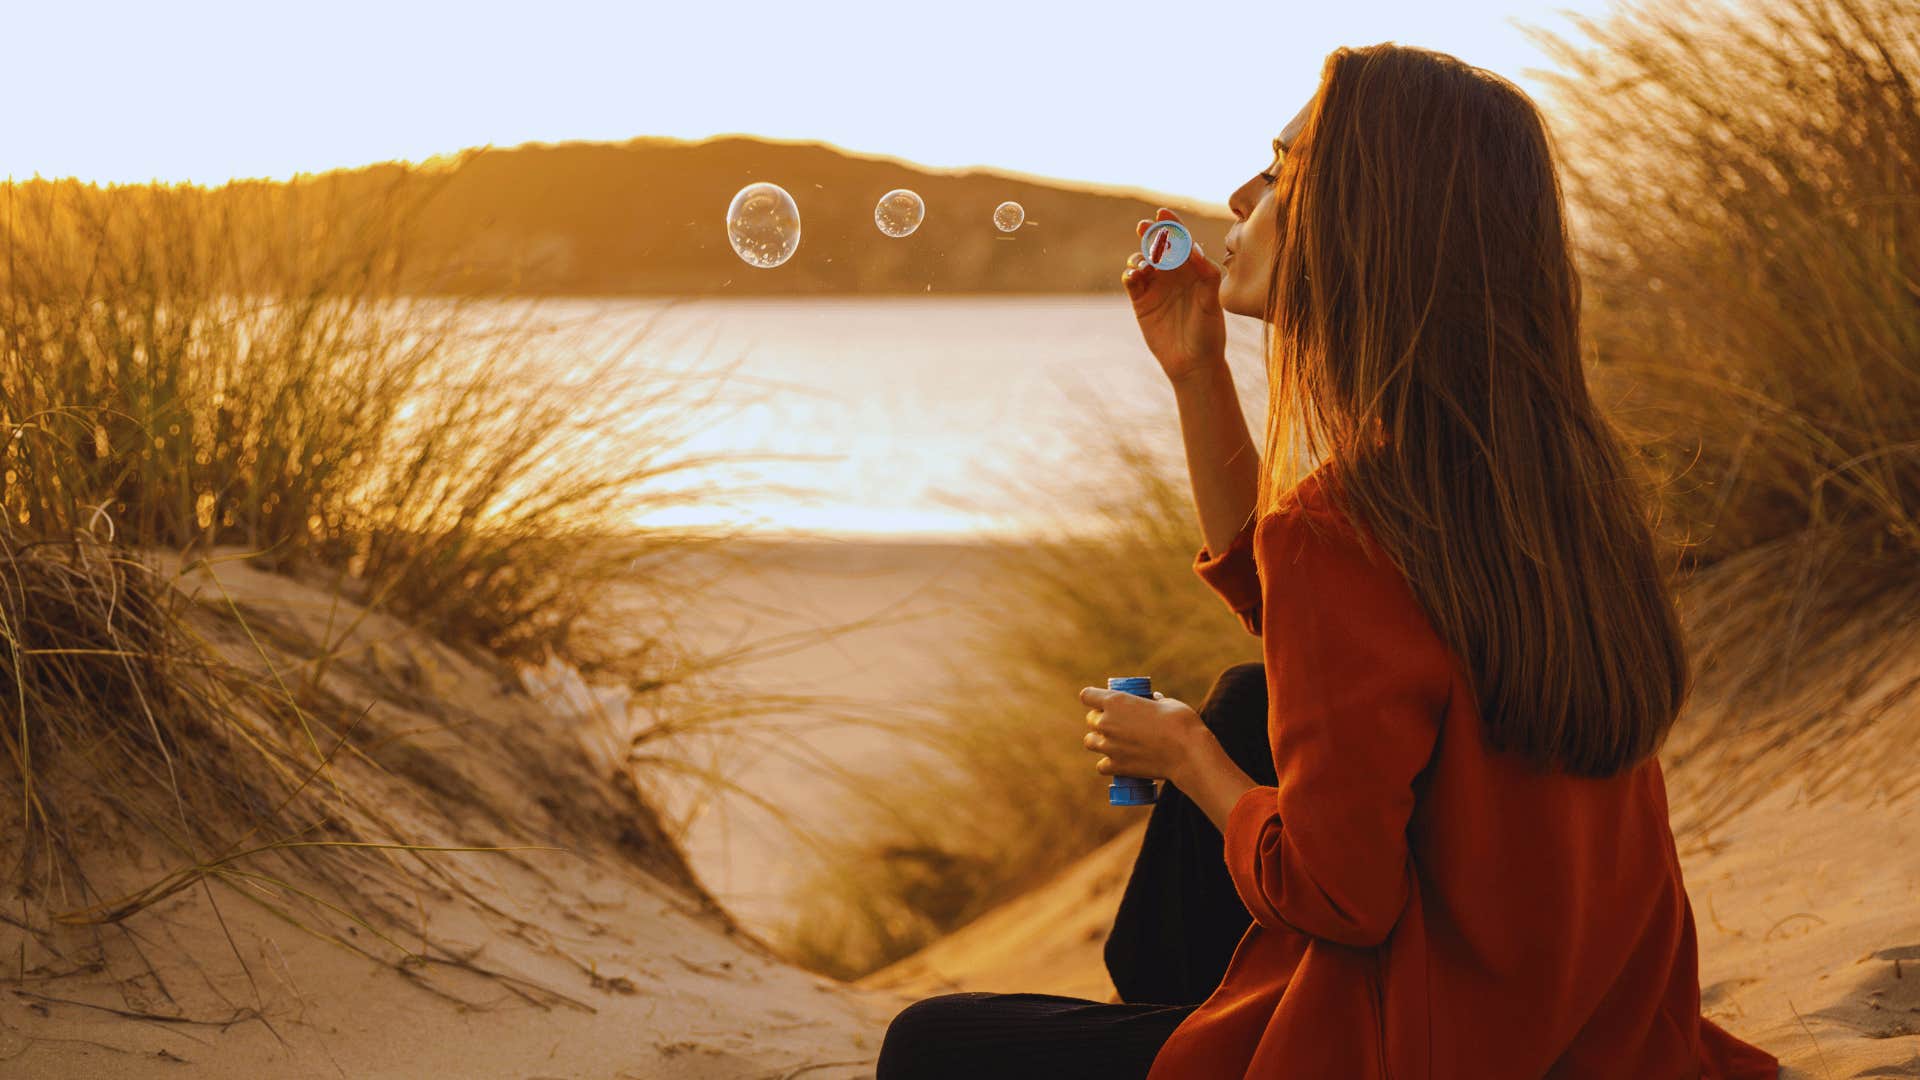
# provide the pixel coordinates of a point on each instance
(1181, 97)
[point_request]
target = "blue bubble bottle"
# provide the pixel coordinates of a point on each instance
(1132, 790)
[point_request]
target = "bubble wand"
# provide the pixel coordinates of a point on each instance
(1166, 244)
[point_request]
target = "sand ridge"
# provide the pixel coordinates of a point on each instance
(599, 956)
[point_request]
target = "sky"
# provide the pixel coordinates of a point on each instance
(1182, 98)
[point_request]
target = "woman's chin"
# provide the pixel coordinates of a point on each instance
(1226, 291)
(1229, 302)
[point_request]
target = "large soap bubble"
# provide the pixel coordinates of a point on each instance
(899, 212)
(763, 225)
(1008, 216)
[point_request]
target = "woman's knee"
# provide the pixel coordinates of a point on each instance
(1238, 684)
(1236, 712)
(919, 1042)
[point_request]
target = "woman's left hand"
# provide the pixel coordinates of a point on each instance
(1153, 738)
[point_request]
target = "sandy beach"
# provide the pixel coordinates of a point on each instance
(864, 626)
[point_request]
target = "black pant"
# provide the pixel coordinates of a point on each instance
(1177, 926)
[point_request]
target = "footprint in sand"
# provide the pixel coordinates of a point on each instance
(1722, 992)
(1885, 1001)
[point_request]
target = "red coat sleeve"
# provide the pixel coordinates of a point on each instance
(1233, 575)
(1357, 685)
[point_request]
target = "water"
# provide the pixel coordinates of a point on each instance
(908, 416)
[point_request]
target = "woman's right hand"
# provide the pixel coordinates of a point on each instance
(1178, 310)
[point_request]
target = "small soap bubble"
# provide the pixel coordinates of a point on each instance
(1008, 216)
(763, 225)
(1166, 244)
(899, 212)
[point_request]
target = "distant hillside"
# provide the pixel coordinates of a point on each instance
(649, 217)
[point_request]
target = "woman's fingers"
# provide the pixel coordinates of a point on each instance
(1094, 740)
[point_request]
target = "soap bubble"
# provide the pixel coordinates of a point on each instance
(1008, 216)
(899, 212)
(1166, 244)
(763, 225)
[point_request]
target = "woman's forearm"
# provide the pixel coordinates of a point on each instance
(1211, 779)
(1222, 463)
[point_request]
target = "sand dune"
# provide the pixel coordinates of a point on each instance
(606, 973)
(603, 960)
(611, 960)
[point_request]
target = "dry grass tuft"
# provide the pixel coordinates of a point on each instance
(1743, 184)
(238, 367)
(120, 718)
(1743, 176)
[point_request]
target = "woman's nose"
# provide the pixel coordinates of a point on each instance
(1241, 201)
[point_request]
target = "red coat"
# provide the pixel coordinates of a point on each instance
(1423, 906)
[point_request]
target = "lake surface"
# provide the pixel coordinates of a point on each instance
(909, 413)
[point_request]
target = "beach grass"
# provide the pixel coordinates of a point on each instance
(239, 367)
(1743, 185)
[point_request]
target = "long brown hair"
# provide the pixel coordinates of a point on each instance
(1424, 352)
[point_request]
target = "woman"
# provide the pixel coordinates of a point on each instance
(1457, 861)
